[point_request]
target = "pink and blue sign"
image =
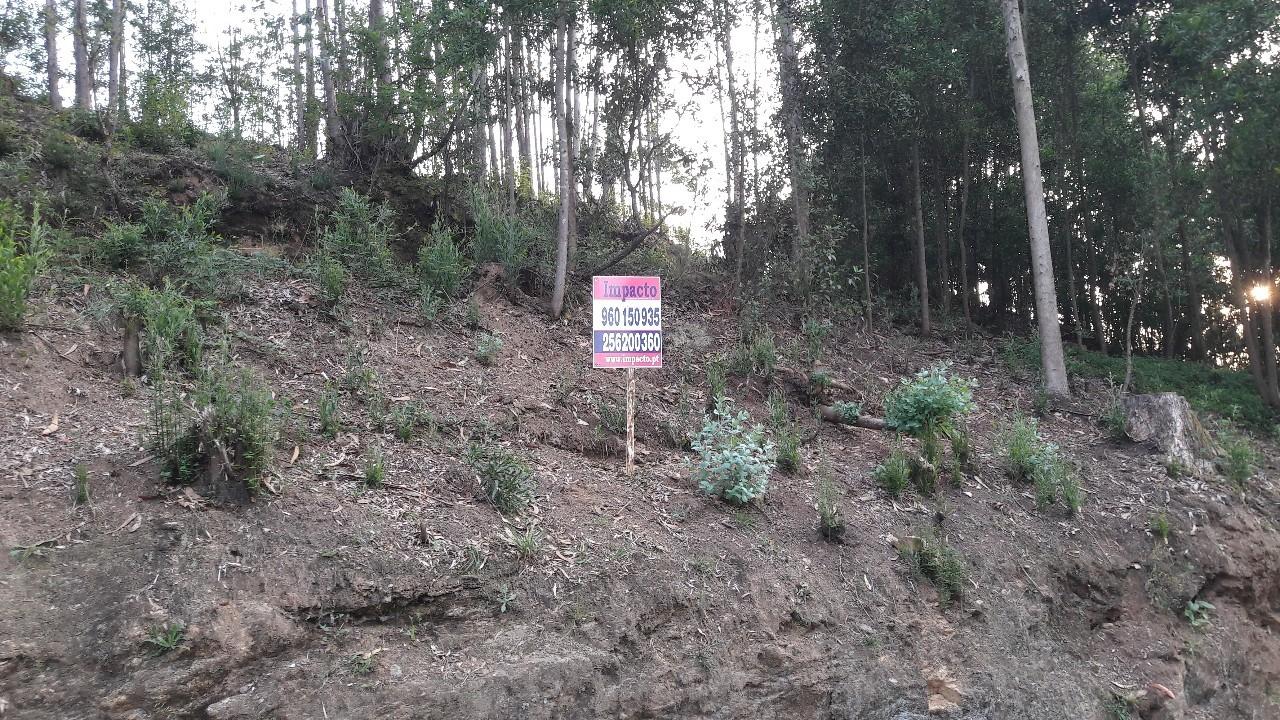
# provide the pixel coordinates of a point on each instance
(626, 321)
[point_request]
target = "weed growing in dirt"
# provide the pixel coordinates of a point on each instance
(331, 279)
(847, 412)
(815, 334)
(894, 474)
(404, 419)
(717, 383)
(1238, 458)
(379, 408)
(164, 638)
(500, 237)
(362, 663)
(819, 384)
(80, 484)
(22, 257)
(1160, 526)
(1114, 418)
(789, 448)
(1199, 613)
(613, 417)
(359, 236)
(237, 422)
(930, 557)
(830, 519)
(375, 471)
(679, 425)
(505, 598)
(171, 332)
(171, 435)
(526, 543)
(779, 411)
(430, 304)
(330, 412)
(929, 404)
(734, 460)
(441, 264)
(758, 357)
(1117, 708)
(924, 475)
(487, 348)
(505, 479)
(472, 318)
(1031, 459)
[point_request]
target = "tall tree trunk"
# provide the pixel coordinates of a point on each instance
(922, 260)
(571, 113)
(115, 52)
(1195, 298)
(312, 127)
(380, 67)
(789, 81)
(565, 172)
(80, 44)
(333, 125)
(1055, 367)
(963, 223)
(866, 232)
(1266, 307)
(509, 110)
(944, 246)
(299, 97)
(51, 53)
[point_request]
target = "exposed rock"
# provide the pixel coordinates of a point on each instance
(1167, 422)
(944, 696)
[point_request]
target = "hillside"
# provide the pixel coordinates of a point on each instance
(367, 575)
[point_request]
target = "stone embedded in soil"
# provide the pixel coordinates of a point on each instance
(1166, 421)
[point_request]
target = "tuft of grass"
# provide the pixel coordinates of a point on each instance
(164, 638)
(1199, 613)
(526, 543)
(404, 420)
(330, 412)
(815, 334)
(362, 663)
(894, 474)
(487, 348)
(788, 454)
(375, 471)
(717, 382)
(80, 484)
(779, 412)
(612, 416)
(441, 264)
(1160, 526)
(505, 479)
(1239, 458)
(944, 566)
(331, 279)
(830, 519)
(1114, 418)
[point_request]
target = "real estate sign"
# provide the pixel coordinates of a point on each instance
(626, 321)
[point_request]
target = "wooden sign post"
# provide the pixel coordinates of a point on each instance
(626, 330)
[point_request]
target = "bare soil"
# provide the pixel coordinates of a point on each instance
(645, 598)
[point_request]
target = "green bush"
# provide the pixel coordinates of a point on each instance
(894, 474)
(1239, 459)
(441, 264)
(359, 235)
(717, 383)
(932, 558)
(928, 404)
(1030, 459)
(375, 471)
(500, 237)
(789, 449)
(830, 519)
(505, 479)
(181, 247)
(172, 436)
(405, 420)
(331, 279)
(487, 348)
(237, 419)
(171, 333)
(60, 150)
(815, 334)
(233, 163)
(119, 246)
(735, 460)
(847, 412)
(758, 357)
(22, 257)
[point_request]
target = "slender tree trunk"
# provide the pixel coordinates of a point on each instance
(114, 54)
(565, 172)
(51, 53)
(380, 67)
(1195, 298)
(1266, 307)
(866, 232)
(80, 44)
(922, 260)
(943, 243)
(571, 112)
(299, 97)
(508, 112)
(312, 124)
(333, 125)
(1055, 368)
(789, 81)
(960, 230)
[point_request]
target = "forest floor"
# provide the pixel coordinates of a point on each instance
(610, 596)
(643, 598)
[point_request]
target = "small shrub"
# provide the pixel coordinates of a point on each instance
(961, 449)
(1114, 418)
(924, 475)
(717, 383)
(20, 263)
(487, 348)
(171, 434)
(430, 304)
(1198, 613)
(779, 412)
(734, 460)
(1160, 526)
(80, 484)
(237, 423)
(789, 449)
(171, 334)
(359, 235)
(612, 416)
(330, 412)
(894, 474)
(404, 420)
(163, 638)
(331, 279)
(441, 264)
(1030, 459)
(930, 557)
(472, 318)
(60, 150)
(819, 384)
(527, 543)
(379, 409)
(847, 412)
(500, 237)
(928, 404)
(505, 479)
(375, 471)
(119, 246)
(830, 519)
(815, 334)
(1238, 458)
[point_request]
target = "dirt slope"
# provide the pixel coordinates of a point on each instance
(644, 599)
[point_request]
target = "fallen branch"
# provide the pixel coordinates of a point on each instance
(631, 247)
(832, 415)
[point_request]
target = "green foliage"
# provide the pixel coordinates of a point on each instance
(330, 412)
(233, 162)
(177, 245)
(80, 484)
(527, 543)
(60, 150)
(238, 423)
(171, 333)
(331, 279)
(717, 383)
(120, 245)
(830, 519)
(429, 304)
(375, 471)
(1239, 458)
(1219, 391)
(894, 474)
(441, 264)
(758, 357)
(501, 237)
(22, 256)
(789, 449)
(819, 383)
(734, 460)
(815, 334)
(359, 235)
(1160, 526)
(1029, 458)
(847, 412)
(929, 403)
(932, 558)
(613, 416)
(1199, 613)
(163, 638)
(779, 411)
(1114, 418)
(487, 348)
(378, 407)
(505, 479)
(405, 419)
